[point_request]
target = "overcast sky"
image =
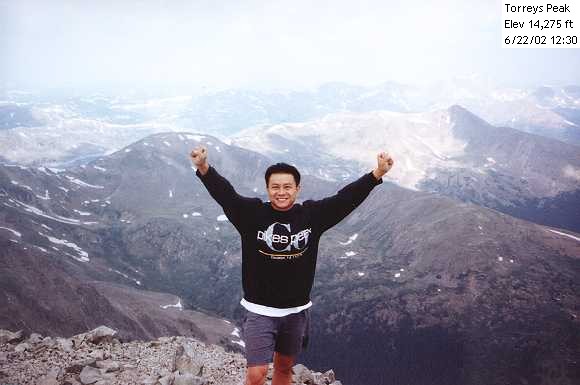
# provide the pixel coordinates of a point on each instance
(285, 44)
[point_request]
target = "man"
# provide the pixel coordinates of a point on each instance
(279, 250)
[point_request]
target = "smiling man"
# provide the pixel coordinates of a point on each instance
(279, 250)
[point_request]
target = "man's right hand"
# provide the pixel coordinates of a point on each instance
(199, 158)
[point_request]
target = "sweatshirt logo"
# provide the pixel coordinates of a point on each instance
(282, 243)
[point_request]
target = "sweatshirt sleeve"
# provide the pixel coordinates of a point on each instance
(330, 211)
(235, 206)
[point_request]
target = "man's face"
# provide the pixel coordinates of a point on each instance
(282, 191)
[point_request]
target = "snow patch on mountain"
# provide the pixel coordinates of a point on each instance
(41, 249)
(570, 172)
(81, 183)
(45, 197)
(83, 255)
(197, 138)
(351, 239)
(565, 235)
(82, 213)
(126, 276)
(15, 183)
(178, 305)
(54, 217)
(154, 103)
(240, 342)
(19, 235)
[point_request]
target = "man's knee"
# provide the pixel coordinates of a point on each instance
(256, 375)
(283, 363)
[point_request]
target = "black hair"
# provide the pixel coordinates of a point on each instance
(283, 168)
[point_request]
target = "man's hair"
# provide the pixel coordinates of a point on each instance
(283, 168)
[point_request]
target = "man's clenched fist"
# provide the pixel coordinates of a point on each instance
(384, 164)
(199, 158)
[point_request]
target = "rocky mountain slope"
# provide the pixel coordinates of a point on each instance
(99, 357)
(447, 293)
(59, 273)
(49, 293)
(422, 287)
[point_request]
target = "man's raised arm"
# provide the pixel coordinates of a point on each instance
(220, 188)
(332, 210)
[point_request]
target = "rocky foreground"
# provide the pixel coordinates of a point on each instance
(98, 358)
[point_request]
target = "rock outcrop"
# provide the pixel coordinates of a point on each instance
(99, 358)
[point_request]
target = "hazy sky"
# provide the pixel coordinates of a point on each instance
(288, 43)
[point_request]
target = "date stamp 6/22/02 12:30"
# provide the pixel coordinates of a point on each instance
(540, 23)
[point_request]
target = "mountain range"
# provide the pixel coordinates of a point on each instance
(451, 152)
(57, 127)
(413, 287)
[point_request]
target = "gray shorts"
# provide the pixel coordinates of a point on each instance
(264, 335)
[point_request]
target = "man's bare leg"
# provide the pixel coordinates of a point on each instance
(256, 375)
(282, 369)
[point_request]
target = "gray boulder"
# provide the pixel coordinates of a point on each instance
(50, 378)
(108, 365)
(34, 338)
(90, 375)
(189, 379)
(21, 347)
(101, 334)
(185, 361)
(6, 336)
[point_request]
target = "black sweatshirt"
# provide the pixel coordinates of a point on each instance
(279, 248)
